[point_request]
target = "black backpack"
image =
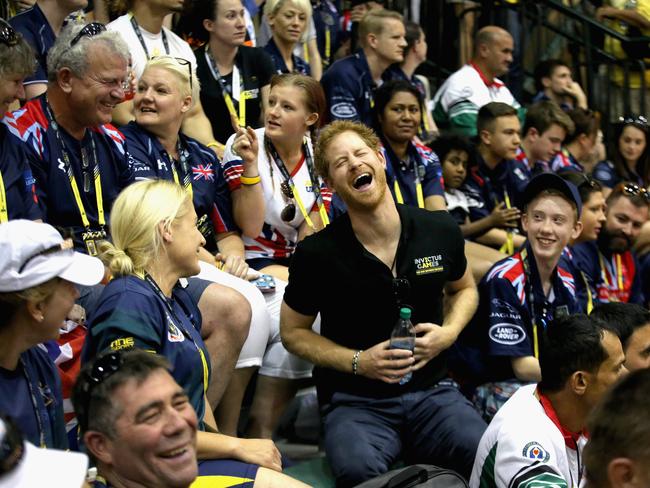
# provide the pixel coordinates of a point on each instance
(417, 475)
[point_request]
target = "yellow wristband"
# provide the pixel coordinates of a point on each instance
(215, 144)
(250, 180)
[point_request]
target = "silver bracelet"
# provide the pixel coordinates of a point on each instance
(355, 361)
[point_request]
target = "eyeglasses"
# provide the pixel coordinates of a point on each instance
(89, 30)
(66, 245)
(632, 190)
(104, 366)
(638, 120)
(289, 212)
(401, 290)
(587, 181)
(8, 35)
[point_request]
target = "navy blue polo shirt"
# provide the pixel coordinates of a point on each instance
(420, 159)
(19, 184)
(36, 30)
(16, 398)
(211, 195)
(565, 161)
(131, 314)
(356, 297)
(608, 176)
(349, 89)
(620, 278)
(394, 72)
(44, 154)
(502, 327)
(299, 65)
(327, 19)
(489, 186)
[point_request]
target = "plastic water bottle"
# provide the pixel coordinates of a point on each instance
(403, 337)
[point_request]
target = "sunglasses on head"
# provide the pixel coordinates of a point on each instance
(104, 366)
(633, 190)
(8, 34)
(88, 30)
(182, 62)
(638, 120)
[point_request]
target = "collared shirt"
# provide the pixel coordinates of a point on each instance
(38, 33)
(299, 65)
(490, 186)
(502, 327)
(524, 446)
(606, 173)
(613, 276)
(394, 72)
(458, 100)
(534, 168)
(35, 372)
(17, 179)
(44, 153)
(543, 97)
(256, 69)
(131, 314)
(349, 89)
(211, 196)
(332, 274)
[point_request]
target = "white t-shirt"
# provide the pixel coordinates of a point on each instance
(154, 42)
(523, 447)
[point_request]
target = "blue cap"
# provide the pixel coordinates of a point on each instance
(548, 181)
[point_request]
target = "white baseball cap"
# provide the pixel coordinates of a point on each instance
(49, 468)
(33, 253)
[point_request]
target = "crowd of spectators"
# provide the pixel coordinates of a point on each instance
(246, 189)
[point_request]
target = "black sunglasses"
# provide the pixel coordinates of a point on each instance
(401, 290)
(88, 30)
(12, 447)
(181, 61)
(289, 212)
(66, 245)
(633, 190)
(104, 366)
(8, 34)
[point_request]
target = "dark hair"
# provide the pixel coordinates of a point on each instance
(488, 113)
(643, 164)
(191, 23)
(413, 33)
(543, 115)
(93, 401)
(571, 344)
(585, 122)
(624, 317)
(618, 427)
(544, 69)
(448, 142)
(585, 184)
(385, 93)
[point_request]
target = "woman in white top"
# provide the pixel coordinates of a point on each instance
(277, 201)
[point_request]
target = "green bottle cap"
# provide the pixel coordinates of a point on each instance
(405, 313)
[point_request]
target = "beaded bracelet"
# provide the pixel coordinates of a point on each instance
(355, 361)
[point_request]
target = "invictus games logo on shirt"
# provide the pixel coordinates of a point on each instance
(428, 264)
(534, 450)
(507, 334)
(173, 334)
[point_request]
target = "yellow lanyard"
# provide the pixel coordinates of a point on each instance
(242, 106)
(328, 45)
(187, 181)
(509, 246)
(4, 212)
(243, 95)
(619, 271)
(590, 300)
(418, 193)
(305, 51)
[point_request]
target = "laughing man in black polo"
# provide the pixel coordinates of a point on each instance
(357, 273)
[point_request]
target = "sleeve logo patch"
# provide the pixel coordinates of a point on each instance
(535, 451)
(507, 334)
(122, 343)
(343, 110)
(173, 334)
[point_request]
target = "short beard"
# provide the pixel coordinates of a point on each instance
(606, 241)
